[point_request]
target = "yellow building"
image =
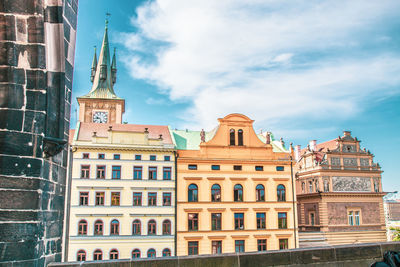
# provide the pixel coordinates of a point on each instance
(234, 190)
(123, 184)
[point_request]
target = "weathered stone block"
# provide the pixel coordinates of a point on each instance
(359, 252)
(7, 28)
(53, 14)
(265, 259)
(35, 100)
(34, 122)
(11, 96)
(19, 199)
(16, 166)
(23, 250)
(312, 256)
(11, 119)
(25, 7)
(8, 54)
(35, 29)
(18, 215)
(19, 183)
(14, 232)
(12, 75)
(35, 79)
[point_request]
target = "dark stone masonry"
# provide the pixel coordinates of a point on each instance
(37, 49)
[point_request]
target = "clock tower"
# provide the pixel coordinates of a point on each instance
(101, 104)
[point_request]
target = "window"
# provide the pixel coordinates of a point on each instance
(115, 198)
(85, 155)
(232, 137)
(216, 247)
(240, 137)
(98, 227)
(85, 171)
(151, 253)
(101, 172)
(152, 173)
(166, 252)
(192, 193)
(81, 255)
(137, 199)
(166, 199)
(282, 220)
(193, 221)
(152, 199)
(193, 247)
(114, 227)
(280, 168)
(239, 221)
(117, 156)
(83, 198)
(303, 187)
(138, 157)
(136, 227)
(216, 193)
(82, 227)
(260, 193)
(153, 157)
(283, 243)
(215, 167)
(135, 253)
(166, 227)
(101, 156)
(262, 244)
(310, 186)
(239, 245)
(192, 167)
(167, 158)
(216, 221)
(261, 224)
(312, 218)
(99, 198)
(281, 192)
(237, 167)
(151, 227)
(116, 172)
(354, 217)
(238, 193)
(316, 185)
(114, 254)
(167, 173)
(259, 168)
(137, 173)
(97, 255)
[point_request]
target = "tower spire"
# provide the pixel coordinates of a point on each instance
(114, 68)
(94, 66)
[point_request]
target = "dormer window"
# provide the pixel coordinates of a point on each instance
(232, 137)
(240, 137)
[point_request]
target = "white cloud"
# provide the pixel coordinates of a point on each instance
(267, 59)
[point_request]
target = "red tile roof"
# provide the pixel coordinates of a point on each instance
(331, 145)
(86, 130)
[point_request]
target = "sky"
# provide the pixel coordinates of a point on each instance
(302, 69)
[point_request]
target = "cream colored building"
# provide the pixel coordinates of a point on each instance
(122, 200)
(234, 190)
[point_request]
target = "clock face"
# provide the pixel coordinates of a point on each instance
(100, 117)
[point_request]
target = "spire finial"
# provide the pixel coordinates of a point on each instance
(107, 16)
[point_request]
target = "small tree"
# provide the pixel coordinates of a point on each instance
(396, 234)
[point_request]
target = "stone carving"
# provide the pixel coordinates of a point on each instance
(326, 185)
(203, 135)
(364, 162)
(349, 148)
(349, 161)
(335, 161)
(351, 184)
(376, 185)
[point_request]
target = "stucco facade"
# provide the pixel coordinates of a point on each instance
(339, 193)
(227, 190)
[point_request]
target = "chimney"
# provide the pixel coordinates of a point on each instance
(297, 150)
(313, 145)
(346, 133)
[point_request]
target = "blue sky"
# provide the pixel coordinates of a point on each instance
(301, 69)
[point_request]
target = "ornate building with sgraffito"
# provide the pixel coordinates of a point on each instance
(339, 193)
(122, 198)
(234, 190)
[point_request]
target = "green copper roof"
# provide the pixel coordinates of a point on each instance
(103, 76)
(276, 144)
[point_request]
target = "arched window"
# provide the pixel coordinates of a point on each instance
(166, 252)
(166, 227)
(151, 253)
(260, 193)
(192, 193)
(98, 255)
(114, 227)
(281, 191)
(151, 227)
(240, 137)
(98, 227)
(114, 254)
(135, 253)
(216, 193)
(82, 227)
(136, 227)
(238, 193)
(232, 137)
(81, 255)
